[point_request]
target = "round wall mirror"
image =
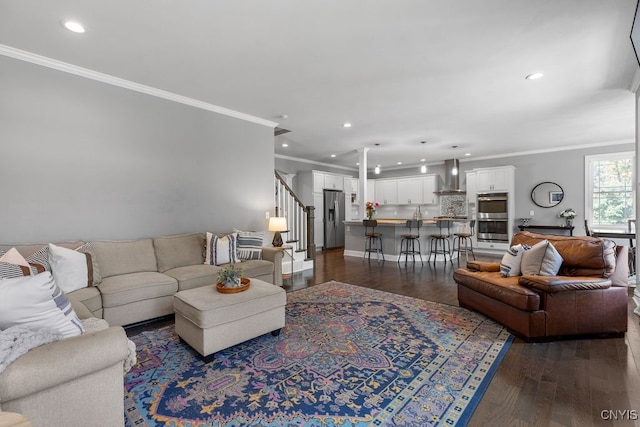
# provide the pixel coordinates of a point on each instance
(547, 194)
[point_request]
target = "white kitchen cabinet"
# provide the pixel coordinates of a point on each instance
(429, 188)
(334, 182)
(371, 191)
(387, 191)
(318, 181)
(494, 179)
(351, 190)
(409, 191)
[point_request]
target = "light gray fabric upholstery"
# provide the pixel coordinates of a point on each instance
(89, 297)
(139, 311)
(256, 268)
(82, 374)
(179, 251)
(123, 257)
(194, 276)
(206, 307)
(127, 288)
(210, 321)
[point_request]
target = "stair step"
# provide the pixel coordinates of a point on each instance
(292, 241)
(300, 250)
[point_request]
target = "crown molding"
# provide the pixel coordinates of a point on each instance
(65, 67)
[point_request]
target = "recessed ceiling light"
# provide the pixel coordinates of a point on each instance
(423, 160)
(357, 163)
(76, 27)
(333, 155)
(534, 76)
(399, 163)
(346, 125)
(284, 144)
(467, 154)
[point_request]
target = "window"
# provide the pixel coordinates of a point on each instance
(610, 191)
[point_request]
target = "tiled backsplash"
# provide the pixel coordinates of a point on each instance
(453, 205)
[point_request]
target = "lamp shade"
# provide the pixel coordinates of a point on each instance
(277, 223)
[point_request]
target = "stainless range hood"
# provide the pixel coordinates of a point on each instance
(451, 181)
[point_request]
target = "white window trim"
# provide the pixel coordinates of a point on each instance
(588, 187)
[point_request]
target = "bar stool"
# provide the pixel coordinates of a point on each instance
(373, 240)
(439, 243)
(409, 242)
(465, 242)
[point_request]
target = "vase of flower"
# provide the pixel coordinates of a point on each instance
(370, 209)
(568, 215)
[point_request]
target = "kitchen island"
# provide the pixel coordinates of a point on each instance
(392, 230)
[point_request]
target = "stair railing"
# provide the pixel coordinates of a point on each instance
(300, 218)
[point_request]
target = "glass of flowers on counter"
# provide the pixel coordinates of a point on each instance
(370, 209)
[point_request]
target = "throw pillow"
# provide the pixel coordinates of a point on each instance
(221, 250)
(250, 244)
(541, 260)
(13, 264)
(70, 268)
(37, 302)
(510, 264)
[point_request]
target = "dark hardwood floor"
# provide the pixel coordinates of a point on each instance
(561, 383)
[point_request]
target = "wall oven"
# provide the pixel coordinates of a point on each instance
(492, 217)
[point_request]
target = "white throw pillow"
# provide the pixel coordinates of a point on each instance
(510, 264)
(541, 260)
(250, 244)
(69, 268)
(37, 302)
(221, 250)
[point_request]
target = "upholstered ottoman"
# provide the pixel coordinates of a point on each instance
(210, 321)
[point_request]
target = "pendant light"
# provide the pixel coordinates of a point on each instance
(376, 170)
(454, 169)
(423, 168)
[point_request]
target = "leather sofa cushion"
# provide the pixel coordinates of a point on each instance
(504, 289)
(564, 283)
(582, 255)
(179, 251)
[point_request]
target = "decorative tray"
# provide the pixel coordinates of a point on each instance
(243, 287)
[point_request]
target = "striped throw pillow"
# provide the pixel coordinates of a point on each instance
(250, 244)
(221, 250)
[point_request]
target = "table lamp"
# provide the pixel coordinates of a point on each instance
(277, 224)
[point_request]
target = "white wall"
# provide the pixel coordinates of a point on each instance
(81, 159)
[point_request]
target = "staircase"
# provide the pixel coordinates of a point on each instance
(300, 223)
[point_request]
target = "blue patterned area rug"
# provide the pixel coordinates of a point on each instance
(348, 356)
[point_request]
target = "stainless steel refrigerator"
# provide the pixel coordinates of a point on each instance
(333, 219)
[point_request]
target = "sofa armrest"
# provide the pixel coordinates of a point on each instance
(483, 266)
(274, 255)
(56, 363)
(564, 283)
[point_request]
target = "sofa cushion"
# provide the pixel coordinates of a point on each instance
(133, 287)
(37, 302)
(194, 276)
(72, 270)
(582, 255)
(13, 264)
(124, 257)
(541, 259)
(179, 251)
(250, 244)
(221, 249)
(255, 267)
(504, 289)
(510, 264)
(90, 297)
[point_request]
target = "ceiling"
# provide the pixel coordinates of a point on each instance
(451, 73)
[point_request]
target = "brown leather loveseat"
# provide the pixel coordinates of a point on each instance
(587, 296)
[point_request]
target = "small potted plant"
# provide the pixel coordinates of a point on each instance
(230, 276)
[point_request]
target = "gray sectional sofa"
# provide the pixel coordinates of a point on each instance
(79, 381)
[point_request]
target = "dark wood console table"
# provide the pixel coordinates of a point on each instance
(563, 229)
